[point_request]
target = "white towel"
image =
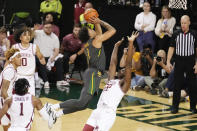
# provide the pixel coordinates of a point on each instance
(51, 64)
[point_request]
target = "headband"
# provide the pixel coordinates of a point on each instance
(15, 54)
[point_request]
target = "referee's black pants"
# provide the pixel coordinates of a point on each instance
(184, 64)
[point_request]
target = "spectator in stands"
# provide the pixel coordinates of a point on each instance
(168, 90)
(4, 45)
(83, 22)
(145, 24)
(158, 73)
(51, 6)
(79, 9)
(155, 3)
(50, 17)
(164, 28)
(71, 45)
(49, 44)
(146, 59)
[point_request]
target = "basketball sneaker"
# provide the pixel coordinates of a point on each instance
(52, 119)
(62, 83)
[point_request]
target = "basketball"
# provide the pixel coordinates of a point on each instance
(90, 13)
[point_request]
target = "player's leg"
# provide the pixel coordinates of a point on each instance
(74, 105)
(107, 120)
(88, 128)
(91, 123)
(90, 87)
(17, 129)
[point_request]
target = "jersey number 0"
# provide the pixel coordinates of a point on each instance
(24, 61)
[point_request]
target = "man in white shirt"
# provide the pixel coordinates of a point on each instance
(49, 45)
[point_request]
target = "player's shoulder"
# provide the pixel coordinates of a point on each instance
(8, 69)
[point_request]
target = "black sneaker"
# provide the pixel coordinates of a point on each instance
(174, 110)
(165, 94)
(194, 111)
(153, 91)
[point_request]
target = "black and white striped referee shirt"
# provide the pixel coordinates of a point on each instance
(185, 44)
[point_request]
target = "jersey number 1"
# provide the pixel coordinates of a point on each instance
(21, 114)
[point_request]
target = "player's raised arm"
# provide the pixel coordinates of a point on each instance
(114, 60)
(101, 37)
(127, 79)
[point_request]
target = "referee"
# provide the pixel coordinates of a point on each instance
(184, 43)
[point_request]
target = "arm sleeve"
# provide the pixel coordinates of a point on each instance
(56, 42)
(36, 33)
(137, 23)
(173, 22)
(64, 43)
(158, 27)
(173, 40)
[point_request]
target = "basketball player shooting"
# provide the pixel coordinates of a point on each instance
(20, 107)
(95, 55)
(103, 117)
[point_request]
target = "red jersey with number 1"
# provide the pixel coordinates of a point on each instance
(21, 111)
(28, 62)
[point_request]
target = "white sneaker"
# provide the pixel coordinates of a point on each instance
(62, 83)
(52, 119)
(46, 88)
(40, 81)
(47, 106)
(46, 84)
(67, 76)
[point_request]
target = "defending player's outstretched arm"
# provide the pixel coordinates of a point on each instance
(127, 79)
(114, 60)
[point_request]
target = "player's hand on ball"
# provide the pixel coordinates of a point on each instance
(94, 20)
